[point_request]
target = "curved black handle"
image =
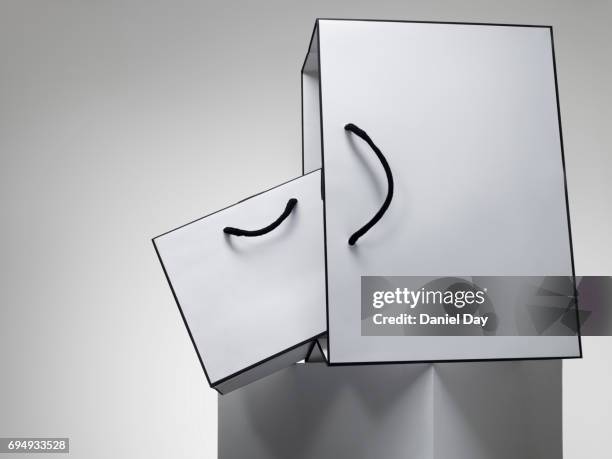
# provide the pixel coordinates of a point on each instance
(240, 232)
(365, 228)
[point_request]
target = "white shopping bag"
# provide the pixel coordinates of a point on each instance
(249, 282)
(442, 156)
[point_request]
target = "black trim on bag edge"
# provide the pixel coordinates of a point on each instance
(236, 203)
(569, 224)
(497, 24)
(323, 191)
(328, 358)
(267, 359)
(256, 364)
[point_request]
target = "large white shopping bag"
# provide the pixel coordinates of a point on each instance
(249, 282)
(442, 156)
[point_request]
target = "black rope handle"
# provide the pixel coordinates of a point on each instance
(365, 228)
(240, 232)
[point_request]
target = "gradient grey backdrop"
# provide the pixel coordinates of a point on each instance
(120, 120)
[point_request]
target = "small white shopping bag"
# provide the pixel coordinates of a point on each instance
(249, 282)
(442, 156)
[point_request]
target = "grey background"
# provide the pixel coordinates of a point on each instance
(120, 120)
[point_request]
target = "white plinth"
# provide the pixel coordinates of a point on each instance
(480, 410)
